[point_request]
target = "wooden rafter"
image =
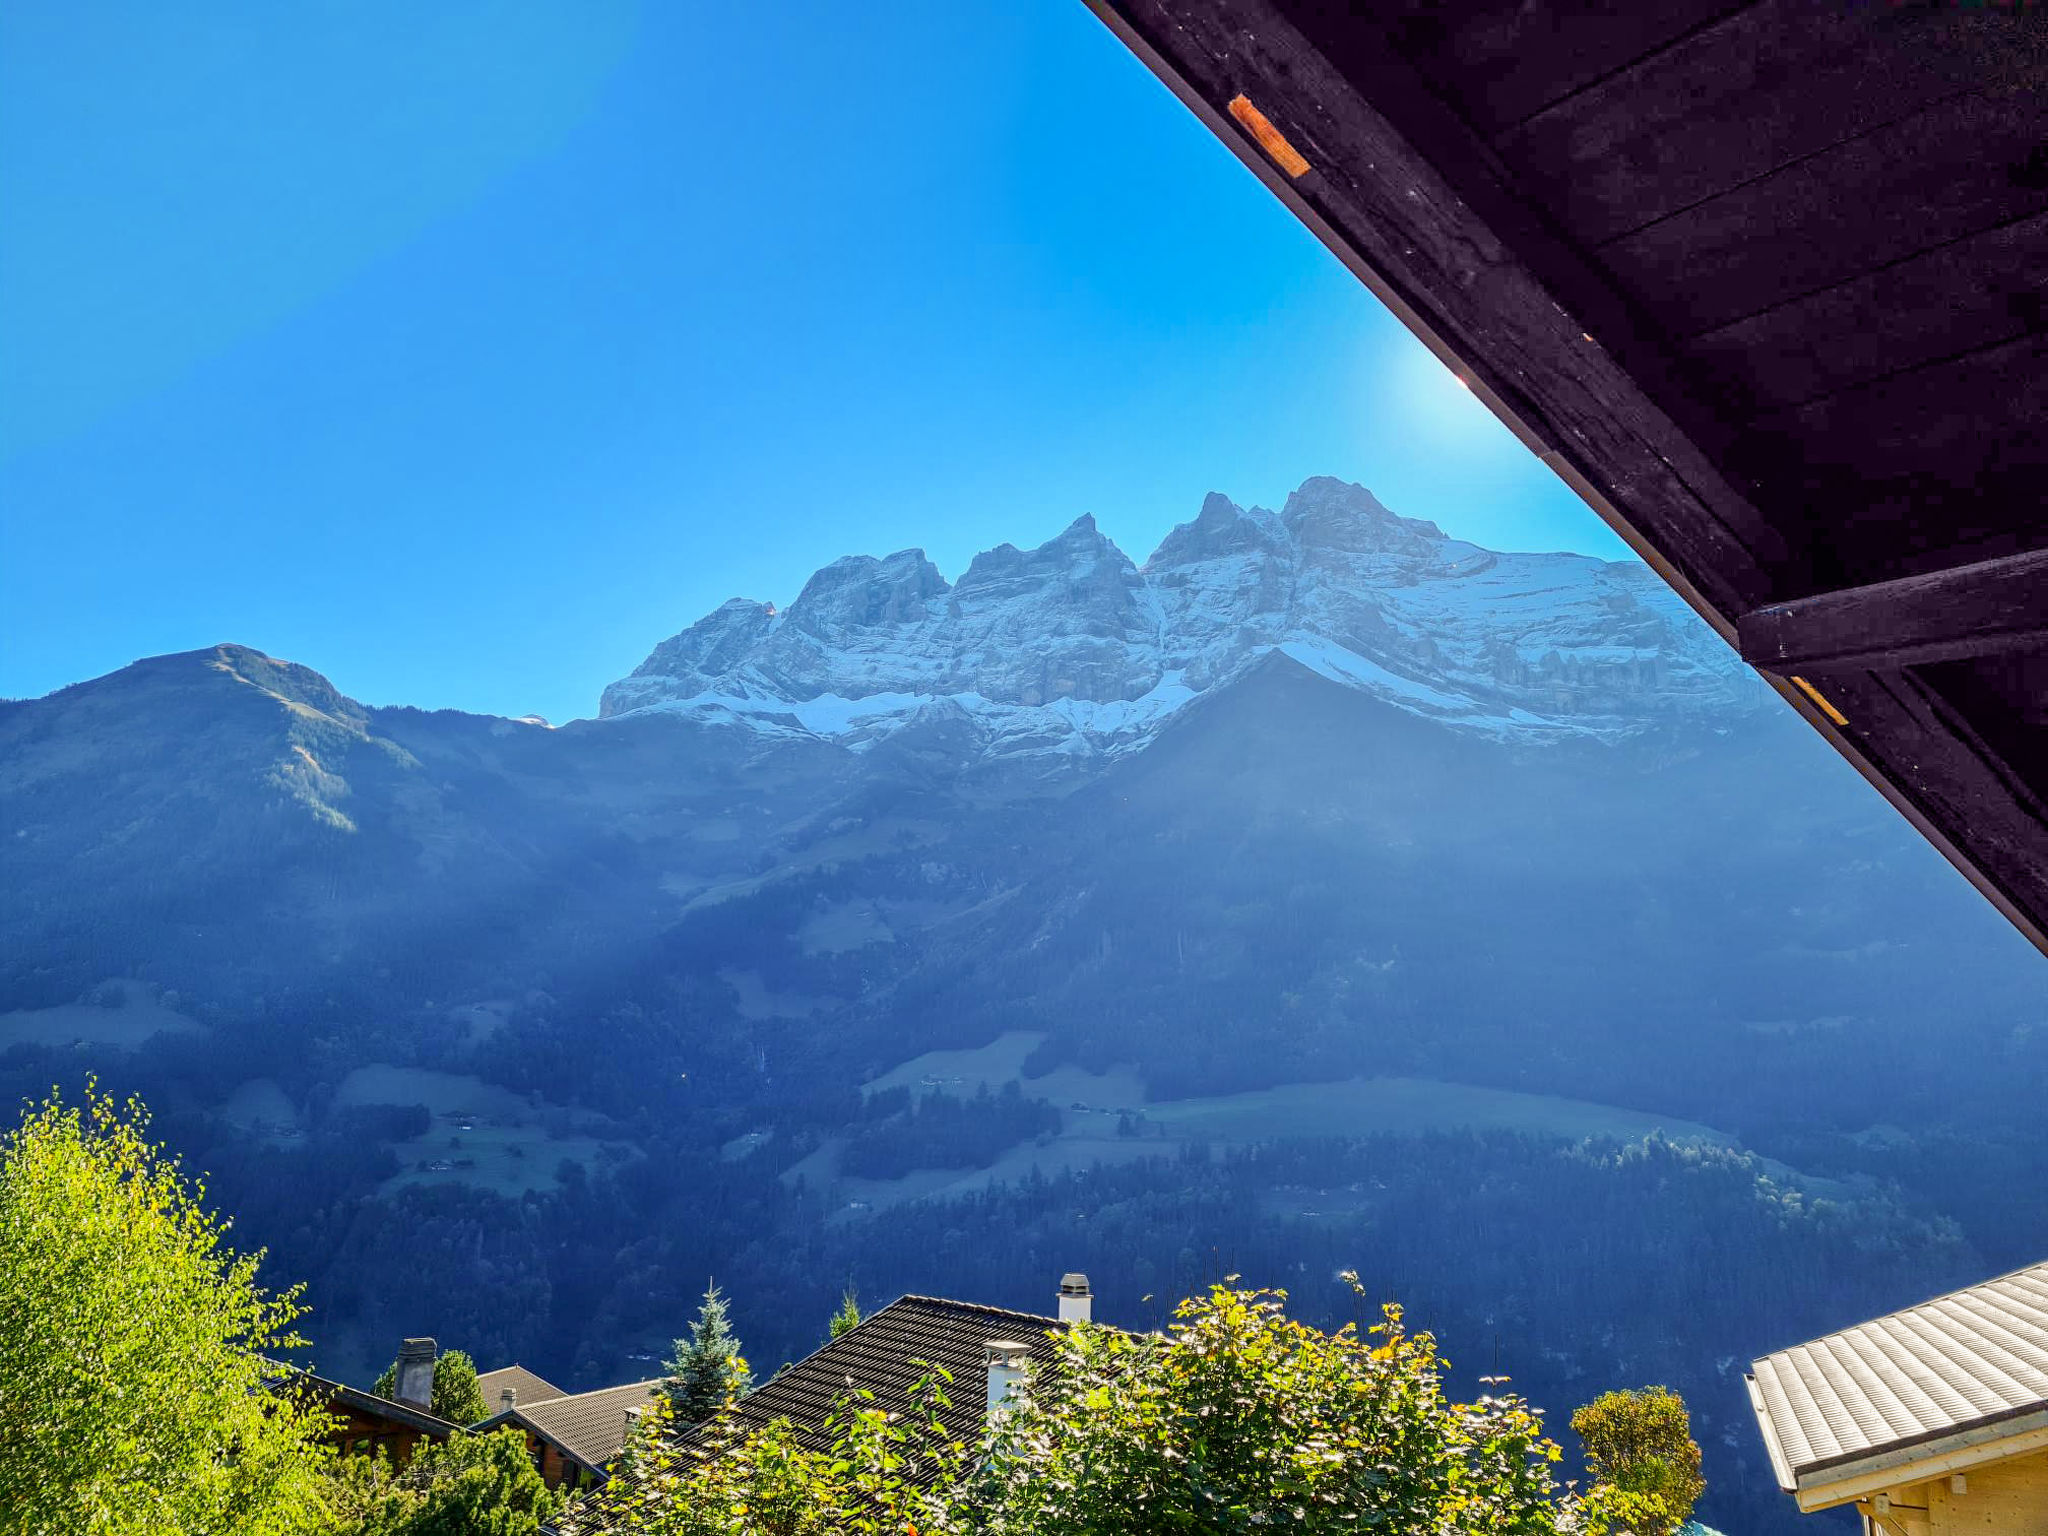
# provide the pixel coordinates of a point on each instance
(1970, 610)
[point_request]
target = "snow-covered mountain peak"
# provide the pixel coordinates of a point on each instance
(1071, 647)
(863, 591)
(1221, 528)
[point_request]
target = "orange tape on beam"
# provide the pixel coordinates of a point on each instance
(1271, 139)
(1822, 704)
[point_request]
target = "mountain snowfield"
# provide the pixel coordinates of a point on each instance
(1070, 647)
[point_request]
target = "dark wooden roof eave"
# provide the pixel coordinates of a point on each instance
(1419, 208)
(339, 1393)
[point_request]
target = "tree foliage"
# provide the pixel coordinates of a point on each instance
(471, 1485)
(707, 1370)
(1241, 1417)
(847, 1318)
(134, 1384)
(868, 1479)
(1644, 1460)
(457, 1398)
(1236, 1419)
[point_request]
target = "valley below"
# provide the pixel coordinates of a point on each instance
(1324, 894)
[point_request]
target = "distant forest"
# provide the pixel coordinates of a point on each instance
(1569, 1268)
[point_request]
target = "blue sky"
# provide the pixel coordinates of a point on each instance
(464, 351)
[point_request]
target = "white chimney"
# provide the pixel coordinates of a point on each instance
(416, 1373)
(1007, 1362)
(1077, 1302)
(509, 1398)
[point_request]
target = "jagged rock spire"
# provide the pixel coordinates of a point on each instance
(1071, 645)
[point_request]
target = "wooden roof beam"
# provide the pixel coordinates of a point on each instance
(1384, 208)
(1969, 610)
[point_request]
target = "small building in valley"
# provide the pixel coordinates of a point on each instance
(1927, 1421)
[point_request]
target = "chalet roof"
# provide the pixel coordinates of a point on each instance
(527, 1387)
(879, 1354)
(339, 1394)
(587, 1427)
(1765, 284)
(1966, 1361)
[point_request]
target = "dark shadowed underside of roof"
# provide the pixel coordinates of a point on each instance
(1965, 1359)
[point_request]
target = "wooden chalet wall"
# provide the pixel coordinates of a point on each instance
(361, 1432)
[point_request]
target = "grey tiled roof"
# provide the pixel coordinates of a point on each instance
(526, 1386)
(1957, 1362)
(589, 1426)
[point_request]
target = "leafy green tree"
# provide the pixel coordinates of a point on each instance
(457, 1398)
(847, 1318)
(1237, 1419)
(1240, 1418)
(1644, 1460)
(707, 1370)
(879, 1472)
(473, 1485)
(135, 1393)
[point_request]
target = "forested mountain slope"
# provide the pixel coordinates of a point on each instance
(1072, 889)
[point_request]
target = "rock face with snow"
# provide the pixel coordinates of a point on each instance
(1071, 647)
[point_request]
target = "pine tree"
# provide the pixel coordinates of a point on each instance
(707, 1369)
(847, 1318)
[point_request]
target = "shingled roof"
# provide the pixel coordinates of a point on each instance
(881, 1355)
(526, 1387)
(1971, 1365)
(587, 1427)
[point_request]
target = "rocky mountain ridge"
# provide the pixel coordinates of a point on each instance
(1072, 647)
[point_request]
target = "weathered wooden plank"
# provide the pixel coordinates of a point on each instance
(1977, 293)
(1971, 610)
(1964, 165)
(2005, 698)
(1507, 59)
(1934, 766)
(1754, 91)
(1931, 468)
(1954, 421)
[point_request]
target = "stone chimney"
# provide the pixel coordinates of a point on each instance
(1077, 1302)
(1007, 1361)
(416, 1373)
(509, 1398)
